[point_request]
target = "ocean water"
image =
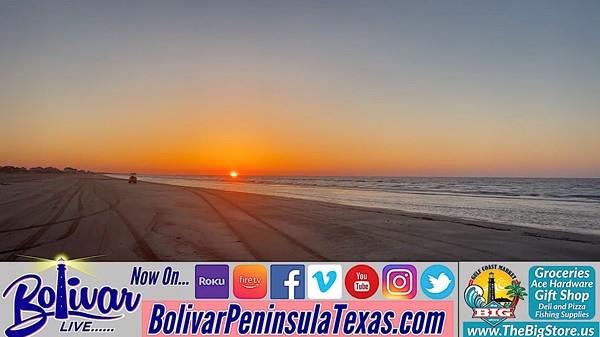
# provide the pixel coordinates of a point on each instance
(571, 205)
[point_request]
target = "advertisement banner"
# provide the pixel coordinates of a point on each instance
(528, 299)
(75, 297)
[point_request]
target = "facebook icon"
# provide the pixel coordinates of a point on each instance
(287, 281)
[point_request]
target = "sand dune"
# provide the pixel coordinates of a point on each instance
(85, 215)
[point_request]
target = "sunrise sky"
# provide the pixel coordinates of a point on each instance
(481, 88)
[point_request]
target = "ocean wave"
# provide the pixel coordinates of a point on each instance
(474, 296)
(570, 205)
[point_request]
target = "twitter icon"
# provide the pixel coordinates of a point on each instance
(437, 281)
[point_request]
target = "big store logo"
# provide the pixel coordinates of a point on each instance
(493, 293)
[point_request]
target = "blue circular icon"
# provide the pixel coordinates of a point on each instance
(437, 282)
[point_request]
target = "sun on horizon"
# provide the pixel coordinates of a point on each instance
(233, 174)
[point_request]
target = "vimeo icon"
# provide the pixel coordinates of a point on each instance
(324, 281)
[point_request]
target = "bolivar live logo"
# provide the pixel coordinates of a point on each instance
(35, 302)
(493, 293)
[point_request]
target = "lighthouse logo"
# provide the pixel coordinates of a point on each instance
(493, 293)
(35, 302)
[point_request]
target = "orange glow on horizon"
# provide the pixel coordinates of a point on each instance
(253, 139)
(233, 174)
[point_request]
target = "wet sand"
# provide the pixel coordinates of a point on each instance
(86, 215)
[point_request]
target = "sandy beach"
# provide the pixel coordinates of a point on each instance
(86, 215)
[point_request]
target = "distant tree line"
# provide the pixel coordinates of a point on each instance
(16, 169)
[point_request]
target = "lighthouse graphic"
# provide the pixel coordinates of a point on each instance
(61, 291)
(491, 288)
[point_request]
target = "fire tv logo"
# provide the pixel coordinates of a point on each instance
(250, 281)
(361, 281)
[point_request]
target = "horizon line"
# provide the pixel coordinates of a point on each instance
(241, 174)
(353, 175)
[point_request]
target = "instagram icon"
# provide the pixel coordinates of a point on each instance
(399, 281)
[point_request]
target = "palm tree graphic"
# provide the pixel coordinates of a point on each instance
(516, 292)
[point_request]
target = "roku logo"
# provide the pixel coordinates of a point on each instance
(203, 281)
(212, 281)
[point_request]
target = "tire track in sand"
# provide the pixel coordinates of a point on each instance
(243, 239)
(253, 251)
(145, 249)
(30, 242)
(54, 197)
(52, 223)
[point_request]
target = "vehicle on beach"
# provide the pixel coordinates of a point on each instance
(133, 179)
